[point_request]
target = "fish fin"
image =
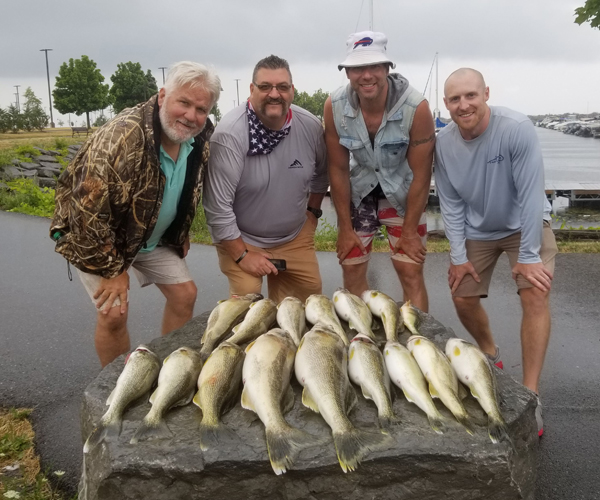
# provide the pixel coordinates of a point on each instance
(437, 423)
(308, 400)
(433, 392)
(185, 400)
(151, 430)
(213, 433)
(408, 398)
(104, 431)
(498, 431)
(462, 391)
(288, 400)
(366, 394)
(206, 350)
(236, 327)
(110, 398)
(165, 360)
(353, 445)
(284, 445)
(351, 399)
(153, 396)
(246, 401)
(197, 401)
(249, 346)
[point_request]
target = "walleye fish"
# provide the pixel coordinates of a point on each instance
(223, 318)
(291, 318)
(267, 392)
(176, 386)
(411, 318)
(443, 383)
(352, 309)
(136, 379)
(384, 307)
(219, 385)
(320, 311)
(258, 320)
(406, 374)
(473, 369)
(322, 368)
(366, 368)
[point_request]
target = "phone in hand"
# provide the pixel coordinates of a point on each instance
(278, 263)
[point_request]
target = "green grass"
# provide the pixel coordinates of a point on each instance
(21, 476)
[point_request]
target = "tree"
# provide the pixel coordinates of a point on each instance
(313, 103)
(590, 12)
(216, 112)
(131, 86)
(14, 118)
(34, 116)
(79, 88)
(4, 121)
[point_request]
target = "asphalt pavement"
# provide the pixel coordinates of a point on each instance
(47, 356)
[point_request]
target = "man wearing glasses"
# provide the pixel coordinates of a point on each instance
(380, 140)
(266, 179)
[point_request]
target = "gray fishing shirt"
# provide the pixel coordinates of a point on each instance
(492, 186)
(263, 198)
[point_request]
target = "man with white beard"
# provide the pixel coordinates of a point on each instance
(128, 199)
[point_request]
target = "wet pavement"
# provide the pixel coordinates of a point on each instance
(47, 355)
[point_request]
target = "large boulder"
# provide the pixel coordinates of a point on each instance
(419, 464)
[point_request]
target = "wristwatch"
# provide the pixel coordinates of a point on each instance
(317, 212)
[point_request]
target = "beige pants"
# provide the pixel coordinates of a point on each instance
(300, 279)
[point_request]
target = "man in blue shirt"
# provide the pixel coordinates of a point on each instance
(490, 180)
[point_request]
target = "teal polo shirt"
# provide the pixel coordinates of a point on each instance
(175, 178)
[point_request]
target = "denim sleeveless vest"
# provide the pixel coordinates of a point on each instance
(386, 163)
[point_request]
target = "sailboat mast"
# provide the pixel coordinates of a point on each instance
(436, 111)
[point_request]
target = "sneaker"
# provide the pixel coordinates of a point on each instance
(496, 358)
(538, 418)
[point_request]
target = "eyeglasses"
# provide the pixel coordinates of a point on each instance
(282, 88)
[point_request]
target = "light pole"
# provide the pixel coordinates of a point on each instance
(237, 89)
(163, 70)
(17, 94)
(49, 94)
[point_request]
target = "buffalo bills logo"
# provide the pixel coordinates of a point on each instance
(364, 42)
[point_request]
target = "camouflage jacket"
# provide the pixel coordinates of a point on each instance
(108, 198)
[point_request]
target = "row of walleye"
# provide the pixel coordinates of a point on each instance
(324, 362)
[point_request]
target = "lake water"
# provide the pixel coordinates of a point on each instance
(566, 158)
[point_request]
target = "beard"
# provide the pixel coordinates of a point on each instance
(178, 135)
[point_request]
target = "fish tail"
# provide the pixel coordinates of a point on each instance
(211, 433)
(285, 443)
(387, 419)
(206, 350)
(105, 429)
(351, 446)
(498, 430)
(437, 423)
(151, 429)
(465, 421)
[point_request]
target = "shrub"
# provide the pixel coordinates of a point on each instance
(25, 197)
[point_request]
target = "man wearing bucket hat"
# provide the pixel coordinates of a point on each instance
(380, 139)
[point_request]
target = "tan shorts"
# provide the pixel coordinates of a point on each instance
(162, 266)
(300, 279)
(484, 255)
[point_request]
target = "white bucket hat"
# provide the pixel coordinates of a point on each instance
(364, 49)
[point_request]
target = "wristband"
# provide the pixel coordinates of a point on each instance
(241, 256)
(411, 237)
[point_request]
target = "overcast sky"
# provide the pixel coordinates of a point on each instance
(533, 56)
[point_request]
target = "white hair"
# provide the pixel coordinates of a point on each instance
(196, 75)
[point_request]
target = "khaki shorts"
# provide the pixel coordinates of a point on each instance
(300, 279)
(484, 255)
(161, 266)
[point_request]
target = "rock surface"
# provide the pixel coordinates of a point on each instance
(419, 465)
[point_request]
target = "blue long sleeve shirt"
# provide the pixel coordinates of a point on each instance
(492, 186)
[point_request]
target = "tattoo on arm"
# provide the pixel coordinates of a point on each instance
(418, 142)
